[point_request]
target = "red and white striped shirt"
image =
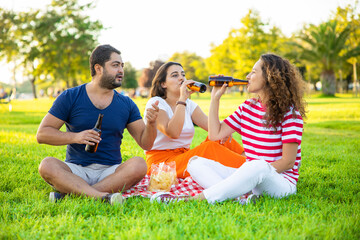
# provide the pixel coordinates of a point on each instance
(262, 143)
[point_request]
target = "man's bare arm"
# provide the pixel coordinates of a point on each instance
(49, 133)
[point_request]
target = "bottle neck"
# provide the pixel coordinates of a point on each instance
(99, 121)
(240, 82)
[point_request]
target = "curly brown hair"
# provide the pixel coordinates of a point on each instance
(284, 88)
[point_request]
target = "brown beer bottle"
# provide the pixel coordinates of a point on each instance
(218, 81)
(197, 86)
(97, 128)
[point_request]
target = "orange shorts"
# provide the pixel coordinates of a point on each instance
(228, 154)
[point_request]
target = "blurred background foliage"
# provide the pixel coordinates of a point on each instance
(53, 47)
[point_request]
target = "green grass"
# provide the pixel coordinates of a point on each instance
(327, 205)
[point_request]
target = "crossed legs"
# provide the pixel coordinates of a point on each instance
(221, 182)
(59, 175)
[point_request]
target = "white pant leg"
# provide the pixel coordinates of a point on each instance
(275, 185)
(207, 172)
(258, 175)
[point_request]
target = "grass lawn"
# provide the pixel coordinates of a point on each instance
(327, 205)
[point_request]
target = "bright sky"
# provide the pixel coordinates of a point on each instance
(146, 30)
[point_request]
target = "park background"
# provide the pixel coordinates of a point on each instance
(44, 45)
(49, 48)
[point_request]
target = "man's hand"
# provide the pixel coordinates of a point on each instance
(152, 113)
(143, 134)
(87, 137)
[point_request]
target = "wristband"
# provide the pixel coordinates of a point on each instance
(181, 102)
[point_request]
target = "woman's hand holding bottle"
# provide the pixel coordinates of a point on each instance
(217, 92)
(184, 90)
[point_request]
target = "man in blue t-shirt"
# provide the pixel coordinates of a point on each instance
(101, 174)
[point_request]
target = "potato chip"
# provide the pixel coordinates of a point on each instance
(163, 175)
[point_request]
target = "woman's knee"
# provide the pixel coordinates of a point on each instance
(209, 144)
(258, 169)
(259, 165)
(196, 163)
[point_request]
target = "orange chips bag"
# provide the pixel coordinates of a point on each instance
(163, 175)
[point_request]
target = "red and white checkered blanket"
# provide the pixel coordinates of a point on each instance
(186, 187)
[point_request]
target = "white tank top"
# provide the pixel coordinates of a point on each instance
(162, 141)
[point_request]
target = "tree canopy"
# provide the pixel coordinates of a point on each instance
(194, 66)
(243, 47)
(53, 45)
(130, 80)
(326, 46)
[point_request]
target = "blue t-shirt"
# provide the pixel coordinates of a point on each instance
(75, 108)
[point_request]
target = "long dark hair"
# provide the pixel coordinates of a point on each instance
(284, 88)
(160, 77)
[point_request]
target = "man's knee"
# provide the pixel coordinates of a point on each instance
(49, 166)
(137, 166)
(46, 165)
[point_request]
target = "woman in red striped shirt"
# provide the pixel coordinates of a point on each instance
(271, 126)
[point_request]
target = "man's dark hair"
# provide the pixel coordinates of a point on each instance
(100, 55)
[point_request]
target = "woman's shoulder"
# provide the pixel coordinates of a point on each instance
(154, 99)
(292, 113)
(251, 104)
(252, 101)
(191, 105)
(190, 102)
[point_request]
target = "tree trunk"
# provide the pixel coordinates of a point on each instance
(328, 83)
(14, 74)
(309, 79)
(355, 88)
(341, 81)
(33, 87)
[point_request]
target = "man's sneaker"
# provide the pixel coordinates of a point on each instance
(56, 196)
(165, 197)
(114, 198)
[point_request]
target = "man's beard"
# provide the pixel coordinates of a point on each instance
(109, 82)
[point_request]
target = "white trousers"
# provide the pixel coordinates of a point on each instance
(222, 183)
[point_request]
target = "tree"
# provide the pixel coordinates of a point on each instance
(194, 66)
(54, 44)
(67, 38)
(348, 16)
(129, 77)
(326, 46)
(243, 47)
(148, 74)
(9, 38)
